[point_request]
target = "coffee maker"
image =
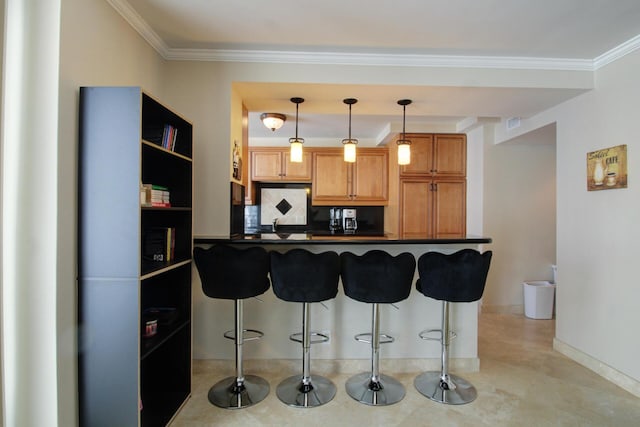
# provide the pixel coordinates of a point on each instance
(335, 220)
(349, 223)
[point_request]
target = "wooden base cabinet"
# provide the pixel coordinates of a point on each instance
(363, 183)
(432, 208)
(133, 371)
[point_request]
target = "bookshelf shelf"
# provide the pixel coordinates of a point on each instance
(127, 139)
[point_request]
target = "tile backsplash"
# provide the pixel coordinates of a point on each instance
(287, 205)
(272, 199)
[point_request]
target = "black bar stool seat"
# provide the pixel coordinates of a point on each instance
(458, 277)
(301, 276)
(230, 273)
(376, 278)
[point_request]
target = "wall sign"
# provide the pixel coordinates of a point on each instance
(607, 168)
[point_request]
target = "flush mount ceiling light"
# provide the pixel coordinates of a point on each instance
(404, 145)
(350, 143)
(296, 143)
(273, 121)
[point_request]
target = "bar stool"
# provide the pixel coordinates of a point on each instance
(231, 273)
(459, 277)
(301, 276)
(376, 278)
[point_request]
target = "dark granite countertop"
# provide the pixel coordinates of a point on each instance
(329, 239)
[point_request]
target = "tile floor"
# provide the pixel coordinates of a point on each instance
(522, 382)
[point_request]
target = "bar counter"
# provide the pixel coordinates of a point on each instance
(342, 318)
(332, 239)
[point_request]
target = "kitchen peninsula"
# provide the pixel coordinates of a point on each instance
(343, 317)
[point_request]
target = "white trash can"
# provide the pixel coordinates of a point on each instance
(538, 299)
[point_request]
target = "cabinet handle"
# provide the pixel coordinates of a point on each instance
(435, 187)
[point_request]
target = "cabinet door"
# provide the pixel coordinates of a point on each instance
(416, 209)
(421, 155)
(370, 182)
(266, 165)
(449, 208)
(450, 155)
(298, 172)
(331, 182)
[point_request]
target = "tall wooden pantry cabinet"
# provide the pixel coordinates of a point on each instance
(433, 187)
(134, 258)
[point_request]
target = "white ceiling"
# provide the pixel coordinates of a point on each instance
(554, 31)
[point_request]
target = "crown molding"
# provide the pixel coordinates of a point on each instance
(140, 25)
(367, 59)
(617, 52)
(373, 59)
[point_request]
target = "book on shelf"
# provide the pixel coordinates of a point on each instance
(159, 244)
(163, 135)
(169, 135)
(154, 196)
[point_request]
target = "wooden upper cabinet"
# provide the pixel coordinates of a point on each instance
(450, 155)
(266, 165)
(331, 177)
(273, 164)
(364, 182)
(370, 176)
(436, 155)
(421, 155)
(297, 171)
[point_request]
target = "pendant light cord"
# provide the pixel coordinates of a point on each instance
(297, 105)
(349, 121)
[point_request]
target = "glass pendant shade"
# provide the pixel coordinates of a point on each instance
(296, 143)
(404, 145)
(349, 150)
(296, 150)
(350, 143)
(404, 154)
(273, 121)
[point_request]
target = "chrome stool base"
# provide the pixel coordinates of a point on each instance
(294, 392)
(385, 391)
(459, 392)
(228, 395)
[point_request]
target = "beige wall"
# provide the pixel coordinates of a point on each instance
(97, 48)
(598, 231)
(519, 215)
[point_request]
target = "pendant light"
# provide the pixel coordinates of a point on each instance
(296, 143)
(350, 143)
(404, 145)
(273, 121)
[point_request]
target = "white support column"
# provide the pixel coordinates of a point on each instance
(29, 142)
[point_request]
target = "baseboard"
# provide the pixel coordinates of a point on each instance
(344, 366)
(503, 309)
(618, 378)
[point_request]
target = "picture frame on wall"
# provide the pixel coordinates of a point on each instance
(607, 168)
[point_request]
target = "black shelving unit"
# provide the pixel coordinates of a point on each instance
(125, 377)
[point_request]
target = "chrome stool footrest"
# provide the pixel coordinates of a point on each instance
(319, 337)
(256, 334)
(423, 335)
(367, 337)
